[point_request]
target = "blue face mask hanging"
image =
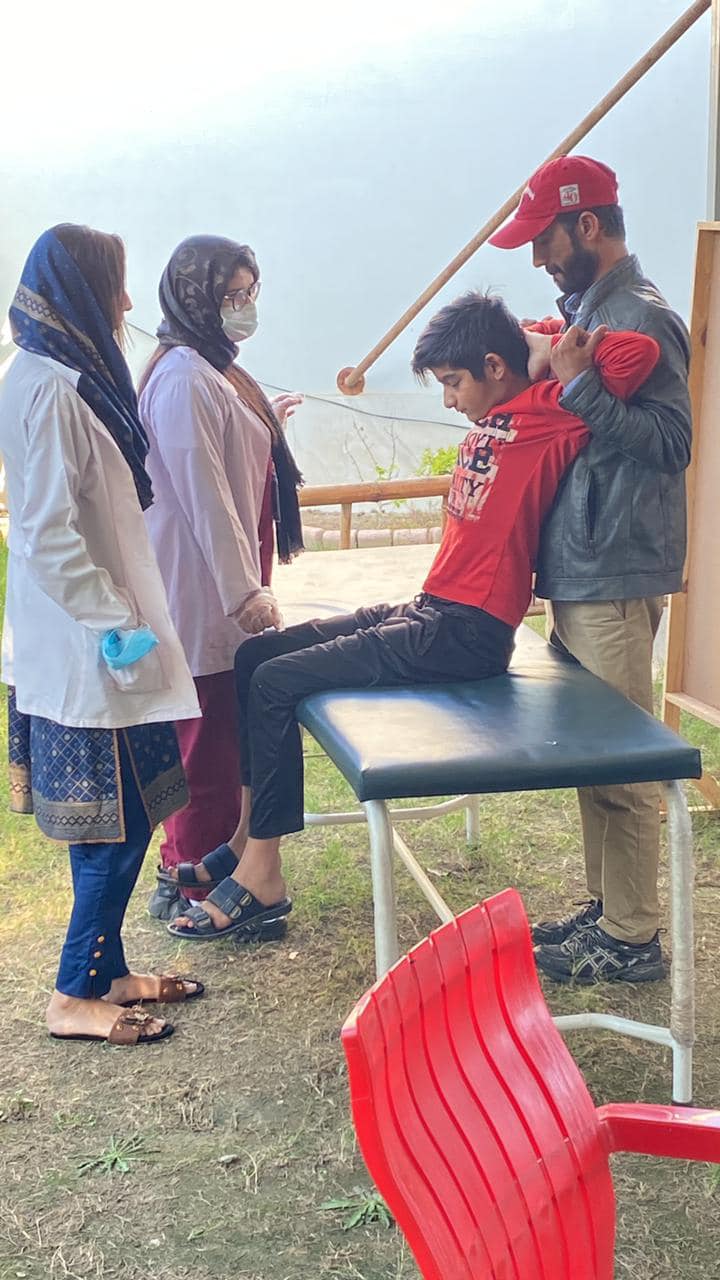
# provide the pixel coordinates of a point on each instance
(123, 648)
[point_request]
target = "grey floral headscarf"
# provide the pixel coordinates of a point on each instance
(192, 288)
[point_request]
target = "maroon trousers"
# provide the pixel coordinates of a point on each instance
(210, 746)
(210, 752)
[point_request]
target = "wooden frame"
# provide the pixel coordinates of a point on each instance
(690, 650)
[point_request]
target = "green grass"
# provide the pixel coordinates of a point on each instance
(212, 1155)
(118, 1157)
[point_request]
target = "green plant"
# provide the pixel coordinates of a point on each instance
(362, 1207)
(438, 462)
(385, 473)
(116, 1158)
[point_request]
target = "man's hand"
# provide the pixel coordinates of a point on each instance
(575, 352)
(539, 346)
(285, 406)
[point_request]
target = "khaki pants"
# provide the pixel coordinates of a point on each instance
(621, 824)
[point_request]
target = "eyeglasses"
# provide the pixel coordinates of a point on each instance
(239, 297)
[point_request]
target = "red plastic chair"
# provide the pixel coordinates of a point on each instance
(475, 1122)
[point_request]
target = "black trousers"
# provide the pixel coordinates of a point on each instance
(425, 642)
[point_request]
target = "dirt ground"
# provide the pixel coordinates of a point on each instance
(211, 1155)
(237, 1130)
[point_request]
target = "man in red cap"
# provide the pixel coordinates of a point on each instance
(614, 543)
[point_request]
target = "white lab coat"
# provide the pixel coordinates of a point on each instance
(208, 461)
(80, 563)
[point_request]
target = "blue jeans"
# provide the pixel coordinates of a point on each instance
(104, 877)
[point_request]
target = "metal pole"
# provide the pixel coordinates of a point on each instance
(383, 882)
(682, 875)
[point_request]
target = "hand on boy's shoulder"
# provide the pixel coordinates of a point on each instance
(540, 347)
(575, 352)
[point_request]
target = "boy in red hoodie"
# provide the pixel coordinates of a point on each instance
(460, 627)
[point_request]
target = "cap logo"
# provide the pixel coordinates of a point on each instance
(528, 193)
(569, 195)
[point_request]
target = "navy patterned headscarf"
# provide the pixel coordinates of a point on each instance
(55, 313)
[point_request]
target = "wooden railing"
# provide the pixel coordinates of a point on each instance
(344, 495)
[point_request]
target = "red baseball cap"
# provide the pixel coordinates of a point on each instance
(561, 186)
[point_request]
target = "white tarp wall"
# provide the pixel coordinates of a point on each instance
(356, 147)
(340, 439)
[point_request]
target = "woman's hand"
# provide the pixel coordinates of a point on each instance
(259, 612)
(285, 406)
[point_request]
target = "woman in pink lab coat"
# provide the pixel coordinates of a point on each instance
(225, 482)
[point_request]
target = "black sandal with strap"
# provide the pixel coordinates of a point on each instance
(249, 918)
(219, 863)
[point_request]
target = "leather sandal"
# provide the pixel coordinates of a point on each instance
(126, 1030)
(172, 990)
(219, 863)
(248, 916)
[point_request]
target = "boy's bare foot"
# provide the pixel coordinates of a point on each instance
(201, 873)
(236, 842)
(268, 893)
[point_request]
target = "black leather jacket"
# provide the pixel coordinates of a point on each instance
(617, 528)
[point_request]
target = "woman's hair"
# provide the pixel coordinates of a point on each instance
(154, 359)
(246, 258)
(101, 259)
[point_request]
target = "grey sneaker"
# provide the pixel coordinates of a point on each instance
(166, 901)
(591, 955)
(553, 932)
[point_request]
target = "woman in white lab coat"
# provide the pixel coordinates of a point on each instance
(96, 672)
(221, 470)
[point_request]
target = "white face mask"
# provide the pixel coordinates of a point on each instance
(241, 324)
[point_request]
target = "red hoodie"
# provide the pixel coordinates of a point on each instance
(507, 474)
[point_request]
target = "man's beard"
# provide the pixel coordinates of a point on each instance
(579, 270)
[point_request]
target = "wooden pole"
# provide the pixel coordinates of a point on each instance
(351, 380)
(674, 698)
(326, 495)
(345, 526)
(714, 130)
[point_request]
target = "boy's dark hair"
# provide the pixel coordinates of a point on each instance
(462, 334)
(610, 217)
